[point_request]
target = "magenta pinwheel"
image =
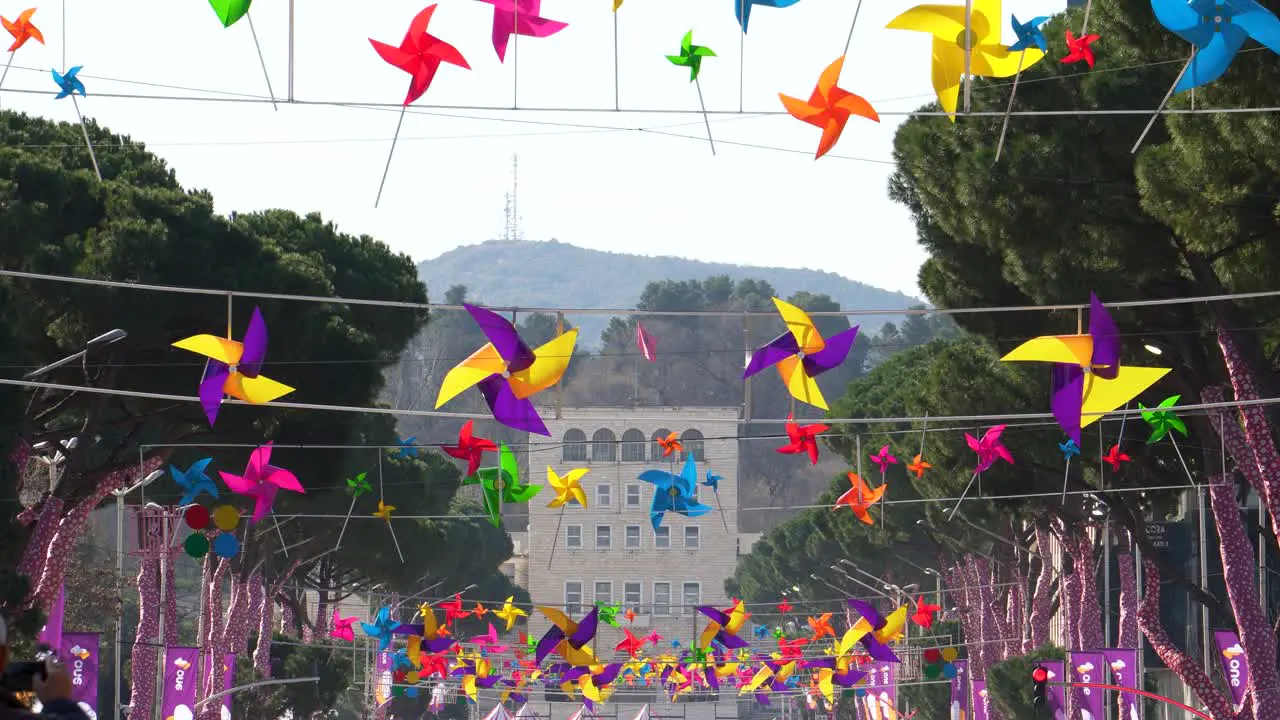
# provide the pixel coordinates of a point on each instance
(519, 17)
(262, 481)
(801, 354)
(508, 372)
(234, 368)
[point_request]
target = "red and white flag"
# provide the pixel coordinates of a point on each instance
(646, 344)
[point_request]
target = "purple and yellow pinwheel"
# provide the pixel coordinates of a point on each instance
(875, 631)
(508, 372)
(1217, 29)
(802, 354)
(675, 493)
(234, 368)
(567, 637)
(724, 626)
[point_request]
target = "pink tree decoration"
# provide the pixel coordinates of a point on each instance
(41, 535)
(1128, 595)
(143, 673)
(1042, 600)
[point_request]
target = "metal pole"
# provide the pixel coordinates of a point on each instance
(119, 593)
(290, 50)
(1106, 581)
(161, 563)
(1206, 657)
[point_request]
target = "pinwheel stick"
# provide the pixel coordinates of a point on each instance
(263, 61)
(555, 539)
(284, 547)
(381, 494)
(1185, 469)
(698, 84)
(963, 495)
(1065, 474)
(1004, 127)
(387, 169)
(924, 432)
(343, 531)
(395, 541)
(721, 506)
(93, 157)
(1163, 102)
(7, 65)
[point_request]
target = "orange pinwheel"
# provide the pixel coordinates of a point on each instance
(829, 107)
(22, 30)
(479, 610)
(670, 444)
(860, 498)
(821, 627)
(630, 615)
(918, 466)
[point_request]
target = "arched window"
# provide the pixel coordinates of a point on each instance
(692, 442)
(655, 449)
(575, 446)
(604, 446)
(633, 446)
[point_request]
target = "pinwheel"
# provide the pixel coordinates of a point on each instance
(1069, 450)
(691, 57)
(357, 486)
(674, 493)
(669, 444)
(509, 612)
(234, 368)
(1115, 457)
(803, 439)
(630, 644)
(229, 13)
(860, 498)
(489, 641)
(435, 638)
(342, 627)
(842, 668)
(420, 54)
(645, 343)
(760, 631)
(630, 615)
(713, 481)
(924, 613)
(470, 447)
(962, 50)
(785, 607)
(68, 85)
(453, 609)
(507, 372)
(384, 512)
(918, 466)
(194, 481)
(989, 449)
(519, 17)
(1029, 35)
(724, 626)
(829, 107)
(567, 488)
(742, 8)
(22, 30)
(883, 459)
(608, 614)
(568, 638)
(876, 632)
(475, 675)
(261, 481)
(1217, 30)
(653, 639)
(1079, 49)
(381, 629)
(501, 484)
(802, 354)
(820, 626)
(1088, 379)
(1165, 424)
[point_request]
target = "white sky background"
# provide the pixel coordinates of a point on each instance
(622, 191)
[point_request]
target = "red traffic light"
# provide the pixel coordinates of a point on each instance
(1040, 675)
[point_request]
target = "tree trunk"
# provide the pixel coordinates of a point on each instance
(1086, 567)
(1241, 450)
(1042, 600)
(37, 549)
(262, 653)
(1128, 601)
(170, 600)
(143, 664)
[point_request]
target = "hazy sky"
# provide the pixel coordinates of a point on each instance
(612, 189)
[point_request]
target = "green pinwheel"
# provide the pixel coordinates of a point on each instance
(230, 11)
(608, 613)
(358, 486)
(691, 56)
(501, 484)
(1162, 420)
(699, 654)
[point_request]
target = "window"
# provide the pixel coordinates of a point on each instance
(655, 449)
(662, 537)
(573, 598)
(692, 442)
(633, 496)
(633, 537)
(633, 446)
(604, 537)
(604, 495)
(631, 594)
(604, 592)
(604, 446)
(662, 598)
(692, 539)
(575, 446)
(573, 537)
(692, 595)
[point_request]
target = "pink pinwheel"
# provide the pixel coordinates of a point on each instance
(646, 343)
(261, 481)
(342, 627)
(989, 449)
(884, 459)
(489, 640)
(519, 17)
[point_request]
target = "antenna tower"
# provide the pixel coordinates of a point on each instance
(511, 210)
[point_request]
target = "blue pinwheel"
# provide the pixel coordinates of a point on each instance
(1217, 29)
(713, 482)
(68, 83)
(675, 493)
(382, 628)
(1069, 449)
(742, 8)
(407, 447)
(760, 631)
(194, 481)
(1029, 34)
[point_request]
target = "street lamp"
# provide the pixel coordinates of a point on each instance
(109, 337)
(853, 579)
(938, 577)
(822, 580)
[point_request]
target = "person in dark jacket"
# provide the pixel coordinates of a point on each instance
(54, 692)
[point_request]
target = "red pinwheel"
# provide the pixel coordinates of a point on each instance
(784, 607)
(470, 448)
(804, 439)
(1114, 457)
(924, 613)
(453, 609)
(630, 645)
(1079, 49)
(792, 649)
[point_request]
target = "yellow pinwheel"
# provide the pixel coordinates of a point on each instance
(508, 372)
(802, 354)
(509, 612)
(617, 4)
(988, 56)
(568, 487)
(384, 511)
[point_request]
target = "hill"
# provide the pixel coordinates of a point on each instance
(500, 272)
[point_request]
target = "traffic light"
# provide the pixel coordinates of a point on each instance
(1040, 693)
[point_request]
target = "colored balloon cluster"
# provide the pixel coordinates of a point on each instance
(220, 537)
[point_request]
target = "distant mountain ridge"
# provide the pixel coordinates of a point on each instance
(555, 274)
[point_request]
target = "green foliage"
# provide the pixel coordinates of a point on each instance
(1009, 682)
(299, 700)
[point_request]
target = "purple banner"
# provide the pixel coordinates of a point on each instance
(960, 691)
(1124, 672)
(79, 652)
(179, 692)
(382, 668)
(1235, 668)
(979, 700)
(1057, 693)
(228, 682)
(51, 633)
(882, 692)
(1089, 667)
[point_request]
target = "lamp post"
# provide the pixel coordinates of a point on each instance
(938, 578)
(110, 337)
(853, 579)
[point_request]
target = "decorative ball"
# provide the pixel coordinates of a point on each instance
(196, 545)
(411, 677)
(932, 656)
(948, 671)
(950, 654)
(226, 518)
(226, 546)
(197, 517)
(860, 692)
(932, 671)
